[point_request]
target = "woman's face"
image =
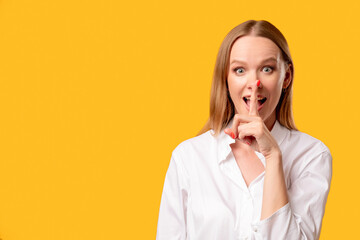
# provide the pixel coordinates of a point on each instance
(255, 58)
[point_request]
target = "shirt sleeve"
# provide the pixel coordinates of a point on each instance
(172, 214)
(301, 218)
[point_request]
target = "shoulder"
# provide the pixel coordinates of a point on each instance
(198, 152)
(198, 143)
(304, 142)
(295, 143)
(302, 152)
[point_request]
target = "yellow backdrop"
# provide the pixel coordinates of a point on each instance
(95, 95)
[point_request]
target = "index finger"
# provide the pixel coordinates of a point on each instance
(253, 100)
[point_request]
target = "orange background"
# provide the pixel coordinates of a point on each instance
(95, 95)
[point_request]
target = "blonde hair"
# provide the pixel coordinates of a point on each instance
(222, 108)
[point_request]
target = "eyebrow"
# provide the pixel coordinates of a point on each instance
(270, 59)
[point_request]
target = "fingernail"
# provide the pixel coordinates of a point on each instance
(232, 135)
(258, 83)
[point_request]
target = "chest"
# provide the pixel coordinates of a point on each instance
(248, 163)
(222, 204)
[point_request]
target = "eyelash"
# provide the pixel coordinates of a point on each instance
(237, 68)
(272, 68)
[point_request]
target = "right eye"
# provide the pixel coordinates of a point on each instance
(239, 70)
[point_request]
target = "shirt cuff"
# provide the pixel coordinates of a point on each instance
(280, 225)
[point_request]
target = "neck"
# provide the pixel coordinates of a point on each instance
(270, 122)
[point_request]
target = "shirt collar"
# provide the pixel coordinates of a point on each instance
(278, 132)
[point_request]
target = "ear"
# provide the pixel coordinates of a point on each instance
(288, 76)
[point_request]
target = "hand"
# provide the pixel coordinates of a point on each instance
(251, 129)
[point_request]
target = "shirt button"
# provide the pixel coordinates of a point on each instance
(255, 228)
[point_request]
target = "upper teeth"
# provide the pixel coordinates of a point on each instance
(259, 98)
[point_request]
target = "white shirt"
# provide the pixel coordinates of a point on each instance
(206, 198)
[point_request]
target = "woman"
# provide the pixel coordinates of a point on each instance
(249, 174)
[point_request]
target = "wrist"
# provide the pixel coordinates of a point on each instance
(274, 157)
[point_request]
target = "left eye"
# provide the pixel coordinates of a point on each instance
(267, 69)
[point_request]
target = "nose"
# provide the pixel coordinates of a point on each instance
(253, 82)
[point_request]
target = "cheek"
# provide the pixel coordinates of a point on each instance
(235, 87)
(275, 94)
(274, 89)
(274, 83)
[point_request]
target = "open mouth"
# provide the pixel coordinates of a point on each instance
(260, 100)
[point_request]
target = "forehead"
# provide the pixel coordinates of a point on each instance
(254, 48)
